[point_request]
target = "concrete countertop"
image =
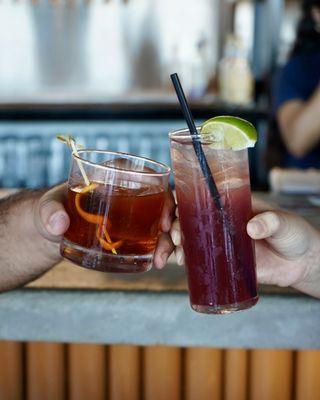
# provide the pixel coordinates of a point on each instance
(150, 318)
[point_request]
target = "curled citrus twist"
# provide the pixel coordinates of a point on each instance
(103, 224)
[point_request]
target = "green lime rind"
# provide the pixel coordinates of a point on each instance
(227, 132)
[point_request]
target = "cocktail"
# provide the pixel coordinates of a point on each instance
(211, 174)
(115, 202)
(219, 254)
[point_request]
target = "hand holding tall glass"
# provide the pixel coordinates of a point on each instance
(115, 211)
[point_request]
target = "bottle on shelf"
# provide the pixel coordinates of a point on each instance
(235, 78)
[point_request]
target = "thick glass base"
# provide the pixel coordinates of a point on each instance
(226, 308)
(101, 261)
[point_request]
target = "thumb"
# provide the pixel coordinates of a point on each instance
(51, 219)
(286, 233)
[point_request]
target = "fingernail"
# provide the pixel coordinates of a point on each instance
(180, 257)
(175, 236)
(255, 228)
(57, 223)
(164, 258)
(166, 225)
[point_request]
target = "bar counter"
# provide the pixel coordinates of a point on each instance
(72, 304)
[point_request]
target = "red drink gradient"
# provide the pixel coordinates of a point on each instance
(219, 254)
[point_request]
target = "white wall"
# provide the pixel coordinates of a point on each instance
(104, 48)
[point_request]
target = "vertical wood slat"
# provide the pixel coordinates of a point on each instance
(271, 374)
(162, 373)
(87, 372)
(45, 371)
(124, 372)
(11, 370)
(203, 372)
(236, 374)
(307, 375)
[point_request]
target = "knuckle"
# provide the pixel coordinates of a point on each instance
(272, 221)
(44, 204)
(176, 225)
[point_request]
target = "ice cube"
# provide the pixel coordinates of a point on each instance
(128, 164)
(185, 156)
(127, 173)
(231, 183)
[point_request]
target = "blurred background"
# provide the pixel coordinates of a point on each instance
(99, 69)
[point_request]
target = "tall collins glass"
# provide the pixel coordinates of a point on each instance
(219, 254)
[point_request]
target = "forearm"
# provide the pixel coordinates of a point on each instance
(301, 130)
(24, 253)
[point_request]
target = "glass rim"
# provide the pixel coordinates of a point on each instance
(166, 168)
(187, 135)
(183, 136)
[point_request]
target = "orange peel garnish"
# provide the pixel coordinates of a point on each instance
(106, 234)
(92, 218)
(101, 221)
(109, 246)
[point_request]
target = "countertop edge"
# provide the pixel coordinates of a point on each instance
(152, 318)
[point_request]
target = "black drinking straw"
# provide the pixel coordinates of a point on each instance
(196, 142)
(228, 240)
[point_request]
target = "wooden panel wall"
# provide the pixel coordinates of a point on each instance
(11, 371)
(54, 371)
(87, 372)
(236, 374)
(203, 374)
(125, 372)
(307, 377)
(271, 374)
(161, 373)
(45, 371)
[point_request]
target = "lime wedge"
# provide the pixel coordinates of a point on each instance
(228, 132)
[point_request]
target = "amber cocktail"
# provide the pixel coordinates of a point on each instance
(115, 215)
